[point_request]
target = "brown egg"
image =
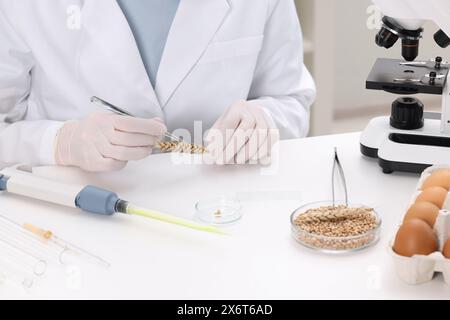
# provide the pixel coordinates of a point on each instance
(446, 250)
(415, 237)
(440, 178)
(425, 211)
(436, 195)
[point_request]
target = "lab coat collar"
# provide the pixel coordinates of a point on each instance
(110, 61)
(194, 26)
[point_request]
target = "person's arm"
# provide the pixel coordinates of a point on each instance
(29, 142)
(280, 97)
(282, 85)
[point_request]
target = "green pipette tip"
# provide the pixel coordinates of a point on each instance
(173, 220)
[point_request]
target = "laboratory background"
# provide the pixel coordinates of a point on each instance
(340, 52)
(358, 209)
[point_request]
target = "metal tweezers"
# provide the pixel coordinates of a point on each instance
(338, 166)
(122, 112)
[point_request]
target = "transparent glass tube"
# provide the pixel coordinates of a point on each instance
(10, 274)
(21, 259)
(17, 237)
(53, 249)
(70, 252)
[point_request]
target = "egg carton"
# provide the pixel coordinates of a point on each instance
(428, 172)
(420, 269)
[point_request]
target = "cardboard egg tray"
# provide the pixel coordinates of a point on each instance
(420, 269)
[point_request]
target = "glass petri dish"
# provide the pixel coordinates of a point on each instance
(219, 211)
(334, 245)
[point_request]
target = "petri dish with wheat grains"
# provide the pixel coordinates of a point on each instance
(337, 228)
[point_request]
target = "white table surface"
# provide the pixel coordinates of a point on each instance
(260, 260)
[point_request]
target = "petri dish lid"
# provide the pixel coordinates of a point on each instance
(219, 211)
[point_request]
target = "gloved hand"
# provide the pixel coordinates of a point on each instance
(106, 142)
(245, 133)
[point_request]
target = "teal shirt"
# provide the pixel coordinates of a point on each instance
(150, 21)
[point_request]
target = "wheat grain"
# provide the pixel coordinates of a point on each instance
(340, 221)
(336, 228)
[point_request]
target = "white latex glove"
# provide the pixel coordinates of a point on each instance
(246, 133)
(106, 142)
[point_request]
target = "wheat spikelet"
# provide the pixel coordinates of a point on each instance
(338, 221)
(181, 147)
(332, 214)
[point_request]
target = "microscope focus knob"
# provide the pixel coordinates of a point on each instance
(407, 114)
(442, 39)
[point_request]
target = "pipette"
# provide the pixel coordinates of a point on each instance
(87, 198)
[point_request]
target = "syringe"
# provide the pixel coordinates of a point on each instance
(65, 246)
(87, 198)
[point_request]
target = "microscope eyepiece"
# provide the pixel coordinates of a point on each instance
(391, 31)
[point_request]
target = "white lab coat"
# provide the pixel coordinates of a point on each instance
(217, 52)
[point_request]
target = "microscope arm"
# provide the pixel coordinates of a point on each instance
(413, 13)
(445, 123)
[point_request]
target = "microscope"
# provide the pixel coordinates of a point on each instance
(410, 140)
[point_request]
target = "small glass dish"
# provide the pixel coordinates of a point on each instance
(219, 211)
(334, 245)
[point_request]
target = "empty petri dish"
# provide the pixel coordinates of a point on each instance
(219, 211)
(335, 244)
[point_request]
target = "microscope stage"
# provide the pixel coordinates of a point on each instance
(393, 76)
